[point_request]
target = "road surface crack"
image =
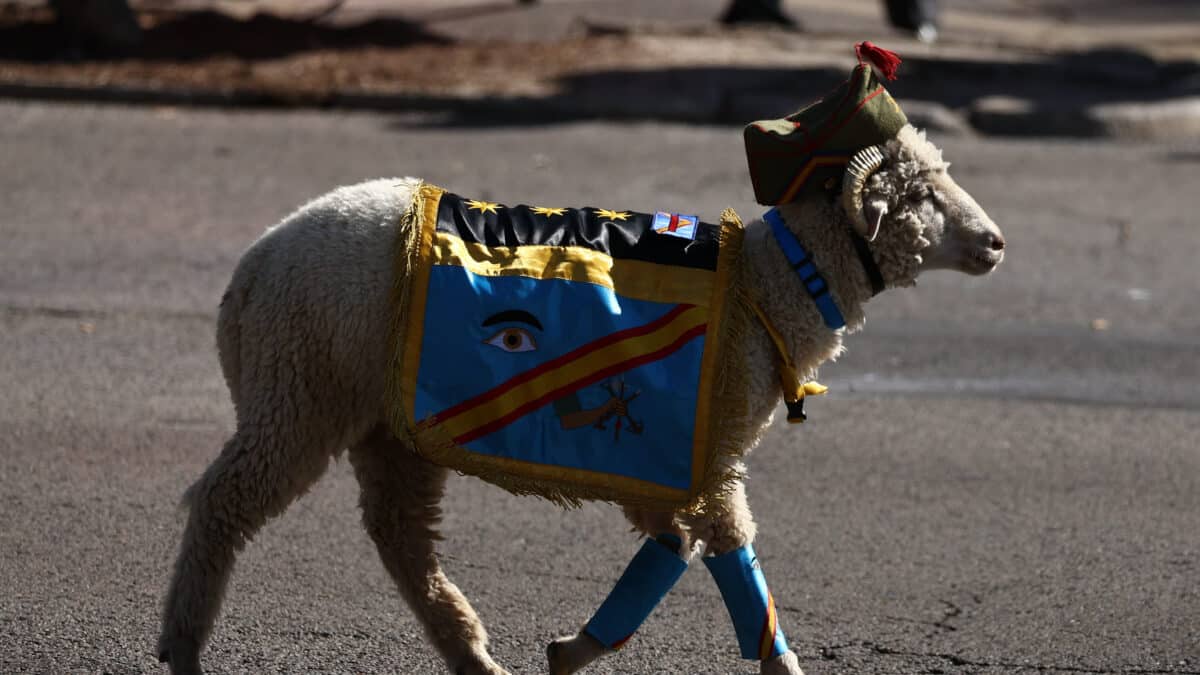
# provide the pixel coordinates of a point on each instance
(830, 652)
(941, 624)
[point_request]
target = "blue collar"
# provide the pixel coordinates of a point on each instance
(810, 278)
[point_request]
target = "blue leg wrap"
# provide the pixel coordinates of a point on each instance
(750, 604)
(651, 573)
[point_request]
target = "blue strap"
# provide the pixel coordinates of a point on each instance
(744, 589)
(810, 277)
(651, 573)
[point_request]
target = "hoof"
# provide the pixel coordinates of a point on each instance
(554, 658)
(568, 655)
(784, 664)
(485, 670)
(477, 662)
(181, 656)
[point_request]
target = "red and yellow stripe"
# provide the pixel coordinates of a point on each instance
(766, 641)
(593, 362)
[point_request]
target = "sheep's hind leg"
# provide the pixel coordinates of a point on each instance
(650, 575)
(730, 558)
(260, 471)
(400, 495)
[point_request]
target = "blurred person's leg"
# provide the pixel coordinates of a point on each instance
(916, 16)
(105, 24)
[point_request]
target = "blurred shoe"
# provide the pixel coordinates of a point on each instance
(916, 16)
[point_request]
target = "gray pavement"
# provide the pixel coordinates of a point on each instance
(1005, 477)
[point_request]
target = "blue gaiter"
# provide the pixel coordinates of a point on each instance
(750, 604)
(651, 573)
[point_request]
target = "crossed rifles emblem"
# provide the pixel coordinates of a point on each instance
(619, 409)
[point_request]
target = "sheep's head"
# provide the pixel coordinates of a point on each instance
(900, 197)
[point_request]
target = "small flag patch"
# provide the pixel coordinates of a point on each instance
(676, 225)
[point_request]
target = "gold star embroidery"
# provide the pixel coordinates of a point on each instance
(546, 211)
(611, 215)
(482, 207)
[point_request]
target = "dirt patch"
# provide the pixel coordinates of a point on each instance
(288, 58)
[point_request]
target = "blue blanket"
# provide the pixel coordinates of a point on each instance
(563, 351)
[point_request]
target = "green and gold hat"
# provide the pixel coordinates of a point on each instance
(808, 151)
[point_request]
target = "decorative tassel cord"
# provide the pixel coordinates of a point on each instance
(885, 61)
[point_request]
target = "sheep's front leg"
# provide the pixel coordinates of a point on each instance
(730, 558)
(649, 576)
(400, 495)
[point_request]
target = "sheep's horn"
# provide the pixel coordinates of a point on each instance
(864, 163)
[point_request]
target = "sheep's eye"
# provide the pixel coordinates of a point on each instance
(513, 340)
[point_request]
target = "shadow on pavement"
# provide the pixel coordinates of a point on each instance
(735, 95)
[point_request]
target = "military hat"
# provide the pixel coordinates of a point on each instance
(808, 151)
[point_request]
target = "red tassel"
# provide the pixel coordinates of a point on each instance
(887, 62)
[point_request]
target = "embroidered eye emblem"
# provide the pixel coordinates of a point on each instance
(513, 340)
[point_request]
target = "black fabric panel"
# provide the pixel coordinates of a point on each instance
(632, 238)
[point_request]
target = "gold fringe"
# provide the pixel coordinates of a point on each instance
(406, 257)
(436, 446)
(730, 424)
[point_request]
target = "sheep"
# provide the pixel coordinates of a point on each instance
(303, 336)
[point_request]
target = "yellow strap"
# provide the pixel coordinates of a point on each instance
(793, 388)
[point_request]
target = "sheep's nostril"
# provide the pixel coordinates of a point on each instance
(997, 243)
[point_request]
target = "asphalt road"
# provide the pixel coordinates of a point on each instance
(1005, 477)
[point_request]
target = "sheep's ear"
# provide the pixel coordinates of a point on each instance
(873, 212)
